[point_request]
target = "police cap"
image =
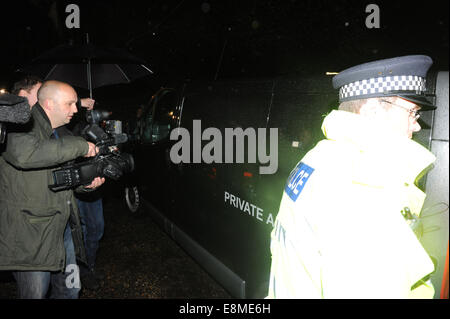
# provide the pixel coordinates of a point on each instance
(404, 77)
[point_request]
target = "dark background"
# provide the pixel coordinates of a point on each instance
(188, 39)
(206, 39)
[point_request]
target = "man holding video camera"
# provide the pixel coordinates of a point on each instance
(35, 237)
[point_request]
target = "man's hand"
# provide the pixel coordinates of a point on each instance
(87, 103)
(97, 182)
(93, 150)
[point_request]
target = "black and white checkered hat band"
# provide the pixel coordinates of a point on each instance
(381, 85)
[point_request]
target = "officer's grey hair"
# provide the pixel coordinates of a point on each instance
(354, 106)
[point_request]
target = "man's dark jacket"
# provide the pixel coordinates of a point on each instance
(32, 217)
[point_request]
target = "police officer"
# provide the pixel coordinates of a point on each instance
(340, 231)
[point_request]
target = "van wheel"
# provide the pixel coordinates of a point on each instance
(132, 198)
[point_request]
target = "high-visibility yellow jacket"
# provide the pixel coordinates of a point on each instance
(340, 232)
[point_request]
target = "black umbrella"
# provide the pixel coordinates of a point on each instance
(88, 66)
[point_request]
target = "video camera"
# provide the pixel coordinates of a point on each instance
(109, 162)
(13, 109)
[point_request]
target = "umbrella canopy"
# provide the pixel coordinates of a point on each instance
(88, 66)
(101, 74)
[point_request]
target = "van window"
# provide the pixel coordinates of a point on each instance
(161, 117)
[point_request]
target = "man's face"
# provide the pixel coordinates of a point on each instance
(64, 106)
(402, 117)
(31, 95)
(393, 114)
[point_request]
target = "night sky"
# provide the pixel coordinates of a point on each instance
(187, 39)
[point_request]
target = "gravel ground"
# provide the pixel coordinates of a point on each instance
(139, 260)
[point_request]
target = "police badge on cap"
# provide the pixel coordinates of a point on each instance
(404, 77)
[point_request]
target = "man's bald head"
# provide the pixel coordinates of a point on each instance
(52, 90)
(58, 99)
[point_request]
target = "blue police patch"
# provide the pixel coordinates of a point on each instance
(297, 180)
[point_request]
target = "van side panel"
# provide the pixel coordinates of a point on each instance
(230, 208)
(216, 223)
